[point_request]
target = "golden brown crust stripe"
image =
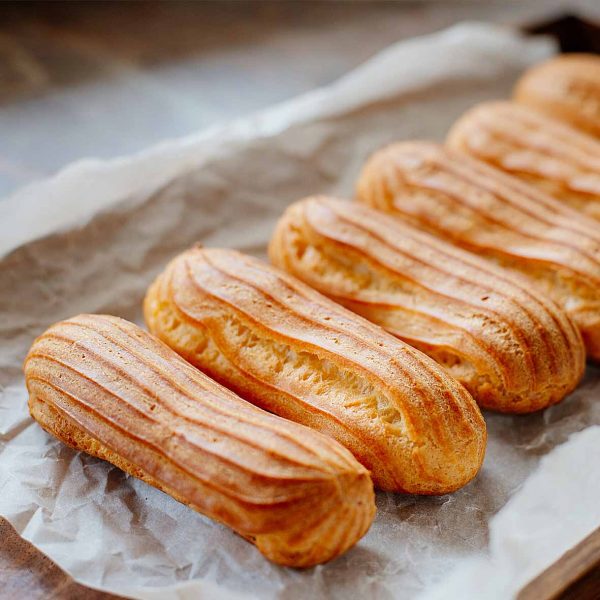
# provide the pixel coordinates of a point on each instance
(539, 150)
(293, 352)
(513, 351)
(498, 217)
(106, 387)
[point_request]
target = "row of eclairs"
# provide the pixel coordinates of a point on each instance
(274, 397)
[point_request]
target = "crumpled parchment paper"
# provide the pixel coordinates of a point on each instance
(93, 237)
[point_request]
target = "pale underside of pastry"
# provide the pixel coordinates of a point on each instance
(106, 387)
(498, 217)
(512, 349)
(539, 150)
(291, 351)
(567, 88)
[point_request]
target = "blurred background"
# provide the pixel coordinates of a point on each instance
(94, 79)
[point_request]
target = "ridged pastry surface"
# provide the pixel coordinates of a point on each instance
(567, 88)
(292, 351)
(106, 387)
(495, 216)
(512, 349)
(541, 151)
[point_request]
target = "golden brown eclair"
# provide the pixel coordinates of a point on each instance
(497, 217)
(541, 151)
(106, 387)
(291, 351)
(566, 87)
(513, 350)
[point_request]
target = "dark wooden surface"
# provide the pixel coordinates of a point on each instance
(575, 576)
(100, 80)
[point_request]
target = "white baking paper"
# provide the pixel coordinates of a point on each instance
(93, 237)
(537, 524)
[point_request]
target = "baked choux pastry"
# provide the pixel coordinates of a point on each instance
(481, 209)
(293, 352)
(513, 350)
(106, 387)
(541, 151)
(566, 87)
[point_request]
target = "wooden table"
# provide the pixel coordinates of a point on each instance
(101, 80)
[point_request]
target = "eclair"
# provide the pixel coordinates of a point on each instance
(541, 151)
(512, 349)
(566, 87)
(106, 387)
(481, 209)
(292, 351)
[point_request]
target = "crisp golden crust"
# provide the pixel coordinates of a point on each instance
(541, 151)
(106, 387)
(293, 352)
(498, 217)
(567, 88)
(513, 351)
